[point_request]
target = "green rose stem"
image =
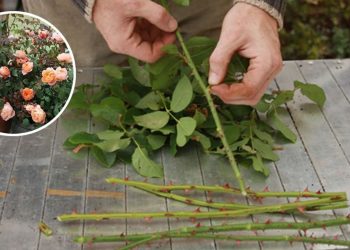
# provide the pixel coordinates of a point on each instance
(297, 206)
(304, 226)
(240, 238)
(206, 91)
(223, 189)
(163, 191)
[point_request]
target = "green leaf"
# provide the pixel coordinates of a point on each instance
(182, 2)
(167, 130)
(144, 165)
(239, 144)
(200, 118)
(140, 73)
(156, 141)
(150, 101)
(79, 101)
(277, 124)
(263, 136)
(265, 150)
(104, 158)
(202, 139)
(110, 109)
(83, 138)
(171, 49)
(283, 97)
(312, 91)
(112, 141)
(113, 71)
(232, 132)
(155, 120)
(186, 125)
(185, 128)
(173, 145)
(164, 71)
(182, 95)
(259, 165)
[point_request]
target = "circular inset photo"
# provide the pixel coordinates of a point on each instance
(37, 73)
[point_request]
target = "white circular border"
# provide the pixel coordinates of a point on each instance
(74, 73)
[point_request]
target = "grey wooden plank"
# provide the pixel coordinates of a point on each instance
(185, 169)
(337, 116)
(340, 70)
(337, 110)
(67, 174)
(217, 171)
(96, 176)
(140, 201)
(23, 207)
(8, 149)
(321, 150)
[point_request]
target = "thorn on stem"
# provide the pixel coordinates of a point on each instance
(126, 178)
(268, 221)
(197, 210)
(301, 209)
(148, 219)
(266, 189)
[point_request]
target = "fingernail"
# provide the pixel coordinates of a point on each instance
(172, 24)
(214, 78)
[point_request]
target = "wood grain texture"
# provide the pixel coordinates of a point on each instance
(95, 179)
(67, 172)
(26, 192)
(320, 144)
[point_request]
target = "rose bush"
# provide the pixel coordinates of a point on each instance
(36, 72)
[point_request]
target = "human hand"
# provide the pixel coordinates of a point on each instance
(138, 28)
(253, 34)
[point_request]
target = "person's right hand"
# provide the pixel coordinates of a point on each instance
(138, 28)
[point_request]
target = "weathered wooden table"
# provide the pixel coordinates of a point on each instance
(38, 180)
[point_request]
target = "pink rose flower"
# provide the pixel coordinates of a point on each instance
(20, 54)
(64, 57)
(7, 112)
(38, 115)
(61, 74)
(29, 33)
(27, 68)
(43, 34)
(56, 37)
(29, 107)
(5, 72)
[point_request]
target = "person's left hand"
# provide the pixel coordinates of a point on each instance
(252, 33)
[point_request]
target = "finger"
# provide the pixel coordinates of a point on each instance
(154, 13)
(221, 57)
(149, 51)
(254, 83)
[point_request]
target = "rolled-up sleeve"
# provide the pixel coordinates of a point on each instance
(276, 8)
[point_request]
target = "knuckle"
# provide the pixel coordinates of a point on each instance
(131, 6)
(161, 15)
(276, 62)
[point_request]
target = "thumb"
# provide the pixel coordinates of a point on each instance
(220, 59)
(156, 14)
